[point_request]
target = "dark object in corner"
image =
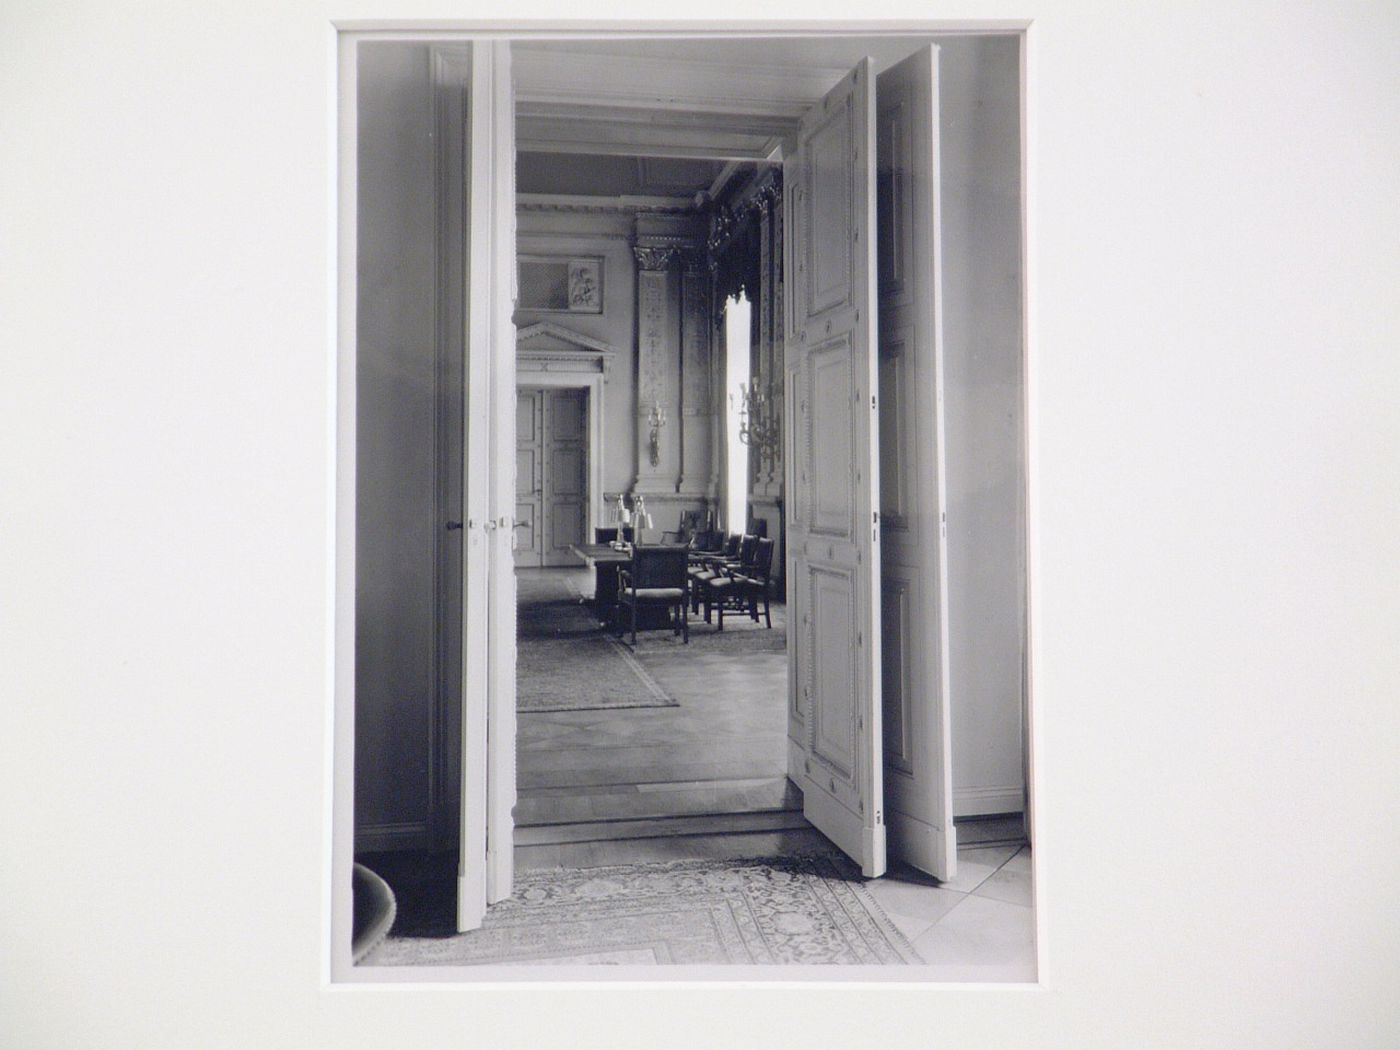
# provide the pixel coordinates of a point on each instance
(374, 911)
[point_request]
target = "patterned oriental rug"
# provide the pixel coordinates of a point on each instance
(564, 662)
(806, 909)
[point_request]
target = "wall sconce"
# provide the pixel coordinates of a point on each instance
(759, 426)
(656, 419)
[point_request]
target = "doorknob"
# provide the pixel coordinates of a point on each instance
(453, 526)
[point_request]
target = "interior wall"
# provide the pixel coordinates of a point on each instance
(394, 504)
(979, 130)
(605, 234)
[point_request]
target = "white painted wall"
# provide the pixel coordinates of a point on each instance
(1216, 248)
(980, 132)
(395, 530)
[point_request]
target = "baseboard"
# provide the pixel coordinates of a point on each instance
(384, 838)
(981, 802)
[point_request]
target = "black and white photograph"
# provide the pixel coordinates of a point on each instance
(604, 526)
(720, 632)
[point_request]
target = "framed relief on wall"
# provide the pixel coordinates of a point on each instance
(561, 285)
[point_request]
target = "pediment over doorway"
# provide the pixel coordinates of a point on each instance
(548, 347)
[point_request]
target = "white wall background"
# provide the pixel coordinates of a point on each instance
(1215, 258)
(396, 460)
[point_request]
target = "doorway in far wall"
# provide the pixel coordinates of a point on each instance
(551, 475)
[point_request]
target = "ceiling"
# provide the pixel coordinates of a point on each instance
(672, 116)
(794, 51)
(663, 116)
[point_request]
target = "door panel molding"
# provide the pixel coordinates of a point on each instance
(834, 722)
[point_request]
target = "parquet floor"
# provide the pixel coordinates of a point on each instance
(721, 751)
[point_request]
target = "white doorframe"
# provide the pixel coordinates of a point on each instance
(493, 136)
(486, 847)
(592, 385)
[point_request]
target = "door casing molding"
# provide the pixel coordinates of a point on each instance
(592, 385)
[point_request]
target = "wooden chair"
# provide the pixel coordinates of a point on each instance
(706, 566)
(686, 531)
(706, 542)
(739, 589)
(656, 578)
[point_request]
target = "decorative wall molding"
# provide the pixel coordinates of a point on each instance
(650, 131)
(582, 203)
(577, 370)
(558, 349)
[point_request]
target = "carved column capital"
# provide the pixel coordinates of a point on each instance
(654, 258)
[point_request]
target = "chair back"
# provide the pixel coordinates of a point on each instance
(748, 547)
(731, 547)
(763, 559)
(758, 527)
(707, 542)
(656, 566)
(628, 532)
(604, 535)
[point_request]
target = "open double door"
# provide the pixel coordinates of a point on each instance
(868, 714)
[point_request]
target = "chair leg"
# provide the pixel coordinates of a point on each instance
(767, 610)
(685, 623)
(634, 623)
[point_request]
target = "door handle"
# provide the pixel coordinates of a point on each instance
(453, 526)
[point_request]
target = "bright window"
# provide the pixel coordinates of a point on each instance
(736, 378)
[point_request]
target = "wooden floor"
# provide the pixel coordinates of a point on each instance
(706, 780)
(640, 772)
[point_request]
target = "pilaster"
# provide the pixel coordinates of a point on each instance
(658, 369)
(696, 375)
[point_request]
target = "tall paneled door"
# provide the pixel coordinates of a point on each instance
(551, 475)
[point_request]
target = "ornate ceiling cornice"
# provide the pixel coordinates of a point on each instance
(578, 203)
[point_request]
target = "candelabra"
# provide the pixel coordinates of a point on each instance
(656, 420)
(759, 426)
